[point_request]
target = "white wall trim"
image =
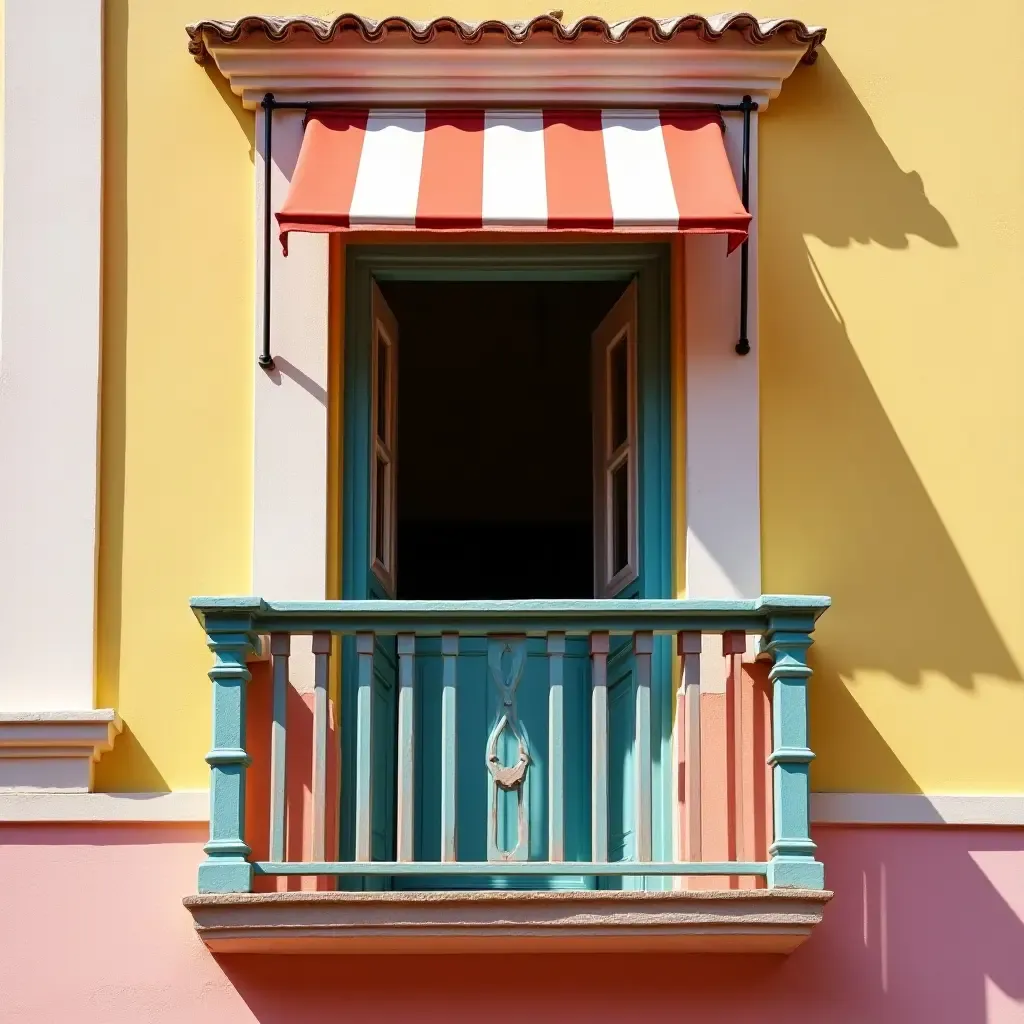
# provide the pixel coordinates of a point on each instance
(101, 808)
(54, 750)
(837, 809)
(50, 352)
(917, 809)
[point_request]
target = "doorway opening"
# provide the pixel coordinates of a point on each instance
(494, 476)
(507, 437)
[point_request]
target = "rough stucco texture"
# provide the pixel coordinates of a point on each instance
(926, 925)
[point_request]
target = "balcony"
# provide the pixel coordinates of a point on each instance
(516, 776)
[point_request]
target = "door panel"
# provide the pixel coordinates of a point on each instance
(616, 457)
(617, 551)
(375, 454)
(383, 447)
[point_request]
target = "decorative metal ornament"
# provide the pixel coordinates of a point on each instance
(506, 660)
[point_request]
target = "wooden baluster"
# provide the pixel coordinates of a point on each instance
(322, 667)
(688, 646)
(733, 647)
(364, 747)
(406, 745)
(280, 649)
(599, 747)
(449, 754)
(556, 746)
(643, 645)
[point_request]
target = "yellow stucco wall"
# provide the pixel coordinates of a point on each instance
(892, 215)
(891, 208)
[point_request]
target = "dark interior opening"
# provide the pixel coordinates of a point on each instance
(494, 461)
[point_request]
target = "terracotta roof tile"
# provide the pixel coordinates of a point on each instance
(713, 27)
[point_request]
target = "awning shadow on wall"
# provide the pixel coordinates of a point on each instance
(845, 511)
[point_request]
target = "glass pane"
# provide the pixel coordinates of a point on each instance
(620, 517)
(618, 387)
(382, 389)
(380, 512)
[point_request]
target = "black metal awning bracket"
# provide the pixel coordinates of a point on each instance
(266, 360)
(269, 105)
(743, 345)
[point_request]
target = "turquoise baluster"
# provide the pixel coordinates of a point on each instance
(792, 864)
(227, 868)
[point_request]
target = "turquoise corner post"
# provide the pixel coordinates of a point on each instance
(226, 868)
(792, 863)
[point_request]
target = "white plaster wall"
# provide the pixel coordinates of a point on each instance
(723, 484)
(290, 471)
(50, 352)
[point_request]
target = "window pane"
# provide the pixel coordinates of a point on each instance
(618, 386)
(382, 389)
(380, 512)
(620, 517)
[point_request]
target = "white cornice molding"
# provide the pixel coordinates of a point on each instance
(495, 72)
(53, 750)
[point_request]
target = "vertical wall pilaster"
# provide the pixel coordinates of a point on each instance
(50, 351)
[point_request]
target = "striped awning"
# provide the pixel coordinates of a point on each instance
(582, 170)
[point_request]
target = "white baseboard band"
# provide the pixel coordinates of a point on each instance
(1004, 809)
(879, 809)
(185, 805)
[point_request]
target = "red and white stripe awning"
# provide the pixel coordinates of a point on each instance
(581, 170)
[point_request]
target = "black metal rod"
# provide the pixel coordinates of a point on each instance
(743, 345)
(725, 108)
(266, 360)
(269, 105)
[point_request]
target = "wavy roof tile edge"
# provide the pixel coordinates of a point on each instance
(279, 29)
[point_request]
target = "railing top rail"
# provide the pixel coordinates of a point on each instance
(758, 615)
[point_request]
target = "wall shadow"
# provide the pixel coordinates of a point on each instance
(245, 118)
(285, 368)
(862, 528)
(916, 932)
(298, 802)
(113, 395)
(128, 759)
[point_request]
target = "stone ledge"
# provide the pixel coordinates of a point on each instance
(724, 921)
(53, 750)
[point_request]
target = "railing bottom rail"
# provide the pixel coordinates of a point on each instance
(512, 867)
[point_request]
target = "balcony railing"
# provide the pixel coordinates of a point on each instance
(506, 634)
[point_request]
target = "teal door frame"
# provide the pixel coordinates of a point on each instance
(649, 264)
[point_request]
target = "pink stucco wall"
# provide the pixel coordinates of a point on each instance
(927, 926)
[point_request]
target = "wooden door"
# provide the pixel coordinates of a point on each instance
(377, 580)
(617, 573)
